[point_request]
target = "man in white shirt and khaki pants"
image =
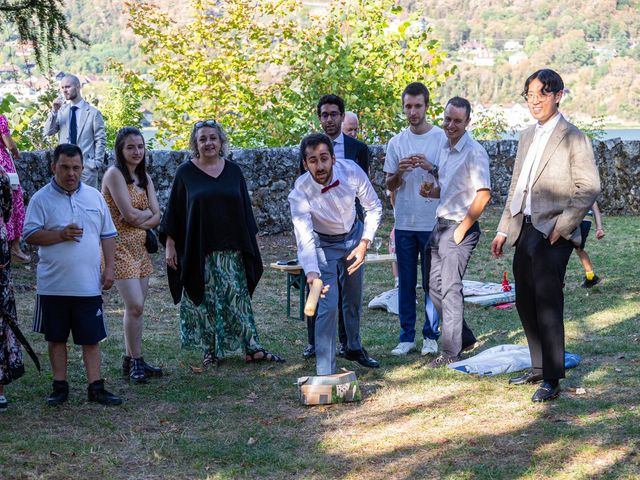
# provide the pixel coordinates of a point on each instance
(332, 243)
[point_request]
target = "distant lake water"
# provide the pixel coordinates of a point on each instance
(621, 133)
(624, 134)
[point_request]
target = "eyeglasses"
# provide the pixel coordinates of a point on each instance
(206, 123)
(333, 115)
(537, 97)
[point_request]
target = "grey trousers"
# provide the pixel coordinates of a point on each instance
(448, 264)
(90, 176)
(332, 252)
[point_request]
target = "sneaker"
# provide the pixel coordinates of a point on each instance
(3, 403)
(97, 393)
(590, 283)
(442, 361)
(60, 393)
(429, 346)
(403, 348)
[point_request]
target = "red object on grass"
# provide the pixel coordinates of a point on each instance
(506, 286)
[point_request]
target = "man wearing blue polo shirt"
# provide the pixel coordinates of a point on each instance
(71, 224)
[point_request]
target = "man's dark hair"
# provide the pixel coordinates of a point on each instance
(313, 141)
(121, 164)
(551, 82)
(331, 99)
(68, 150)
(414, 89)
(460, 102)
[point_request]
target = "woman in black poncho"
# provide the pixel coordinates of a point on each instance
(212, 254)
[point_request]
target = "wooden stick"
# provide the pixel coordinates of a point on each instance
(312, 299)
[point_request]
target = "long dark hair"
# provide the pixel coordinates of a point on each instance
(141, 169)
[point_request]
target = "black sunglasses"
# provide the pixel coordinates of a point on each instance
(206, 123)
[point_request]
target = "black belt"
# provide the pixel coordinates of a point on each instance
(527, 219)
(446, 221)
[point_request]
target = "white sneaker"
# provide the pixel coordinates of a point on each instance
(429, 346)
(403, 348)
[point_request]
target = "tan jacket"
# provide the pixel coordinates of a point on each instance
(564, 187)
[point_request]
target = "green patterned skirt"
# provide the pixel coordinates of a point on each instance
(223, 323)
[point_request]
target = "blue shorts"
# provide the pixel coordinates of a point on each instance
(56, 316)
(585, 226)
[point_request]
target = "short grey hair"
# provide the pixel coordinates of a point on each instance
(193, 141)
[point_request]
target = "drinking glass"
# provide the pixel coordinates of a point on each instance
(427, 183)
(377, 243)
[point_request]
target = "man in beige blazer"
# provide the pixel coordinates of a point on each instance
(81, 124)
(555, 181)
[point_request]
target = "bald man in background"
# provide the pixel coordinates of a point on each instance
(350, 124)
(78, 123)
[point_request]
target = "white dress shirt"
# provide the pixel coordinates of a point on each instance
(338, 146)
(332, 212)
(463, 170)
(530, 166)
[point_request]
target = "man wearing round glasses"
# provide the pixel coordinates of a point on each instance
(555, 181)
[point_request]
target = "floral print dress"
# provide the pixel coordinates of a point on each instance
(11, 365)
(15, 223)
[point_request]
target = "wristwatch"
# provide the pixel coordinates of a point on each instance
(434, 171)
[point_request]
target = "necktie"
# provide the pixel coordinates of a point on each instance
(73, 127)
(329, 187)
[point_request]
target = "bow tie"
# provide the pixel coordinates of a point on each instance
(329, 187)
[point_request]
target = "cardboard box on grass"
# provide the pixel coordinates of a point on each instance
(326, 389)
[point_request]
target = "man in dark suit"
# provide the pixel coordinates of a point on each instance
(555, 181)
(330, 110)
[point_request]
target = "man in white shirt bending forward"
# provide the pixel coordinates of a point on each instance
(332, 243)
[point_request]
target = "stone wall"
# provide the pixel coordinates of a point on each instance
(270, 174)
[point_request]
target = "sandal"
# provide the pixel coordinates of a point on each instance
(209, 359)
(262, 355)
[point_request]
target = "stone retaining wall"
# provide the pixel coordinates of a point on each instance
(270, 174)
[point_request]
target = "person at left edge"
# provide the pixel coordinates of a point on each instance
(71, 224)
(332, 243)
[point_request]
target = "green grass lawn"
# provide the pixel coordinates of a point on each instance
(244, 421)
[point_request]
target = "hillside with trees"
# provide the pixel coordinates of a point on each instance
(594, 44)
(481, 50)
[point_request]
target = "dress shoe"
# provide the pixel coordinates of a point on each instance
(309, 351)
(342, 350)
(362, 357)
(60, 393)
(528, 377)
(97, 393)
(546, 392)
